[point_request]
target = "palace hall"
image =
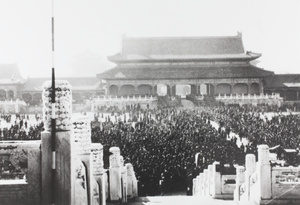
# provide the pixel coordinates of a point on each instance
(218, 66)
(13, 86)
(202, 65)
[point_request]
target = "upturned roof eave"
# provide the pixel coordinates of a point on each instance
(119, 60)
(196, 77)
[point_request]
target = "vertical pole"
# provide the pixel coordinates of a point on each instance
(53, 132)
(53, 121)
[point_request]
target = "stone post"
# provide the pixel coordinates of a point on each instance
(264, 173)
(135, 187)
(194, 186)
(105, 182)
(130, 174)
(46, 168)
(216, 180)
(97, 160)
(197, 185)
(80, 183)
(64, 172)
(124, 180)
(250, 169)
(81, 132)
(210, 179)
(205, 184)
(34, 175)
(64, 164)
(115, 174)
(201, 181)
(240, 179)
(65, 168)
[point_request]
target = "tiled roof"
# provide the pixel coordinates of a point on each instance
(282, 80)
(184, 72)
(168, 48)
(10, 73)
(84, 83)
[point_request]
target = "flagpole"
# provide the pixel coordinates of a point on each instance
(53, 121)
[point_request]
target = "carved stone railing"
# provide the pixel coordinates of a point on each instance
(265, 184)
(111, 98)
(286, 183)
(12, 106)
(20, 165)
(121, 101)
(12, 102)
(122, 179)
(216, 181)
(240, 183)
(249, 96)
(100, 174)
(80, 183)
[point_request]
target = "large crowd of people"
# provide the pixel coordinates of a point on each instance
(258, 128)
(18, 128)
(162, 143)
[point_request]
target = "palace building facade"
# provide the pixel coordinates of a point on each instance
(207, 65)
(13, 86)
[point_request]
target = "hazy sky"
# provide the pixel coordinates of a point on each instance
(85, 28)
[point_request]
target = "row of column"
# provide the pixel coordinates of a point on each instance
(197, 89)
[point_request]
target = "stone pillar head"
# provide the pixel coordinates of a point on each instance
(263, 154)
(62, 109)
(81, 130)
(97, 158)
(130, 171)
(114, 158)
(114, 150)
(240, 174)
(216, 166)
(250, 163)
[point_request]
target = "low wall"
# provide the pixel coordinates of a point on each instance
(215, 181)
(25, 157)
(123, 101)
(13, 192)
(251, 99)
(12, 106)
(262, 184)
(228, 184)
(286, 183)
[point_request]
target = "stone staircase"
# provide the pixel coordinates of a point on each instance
(187, 104)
